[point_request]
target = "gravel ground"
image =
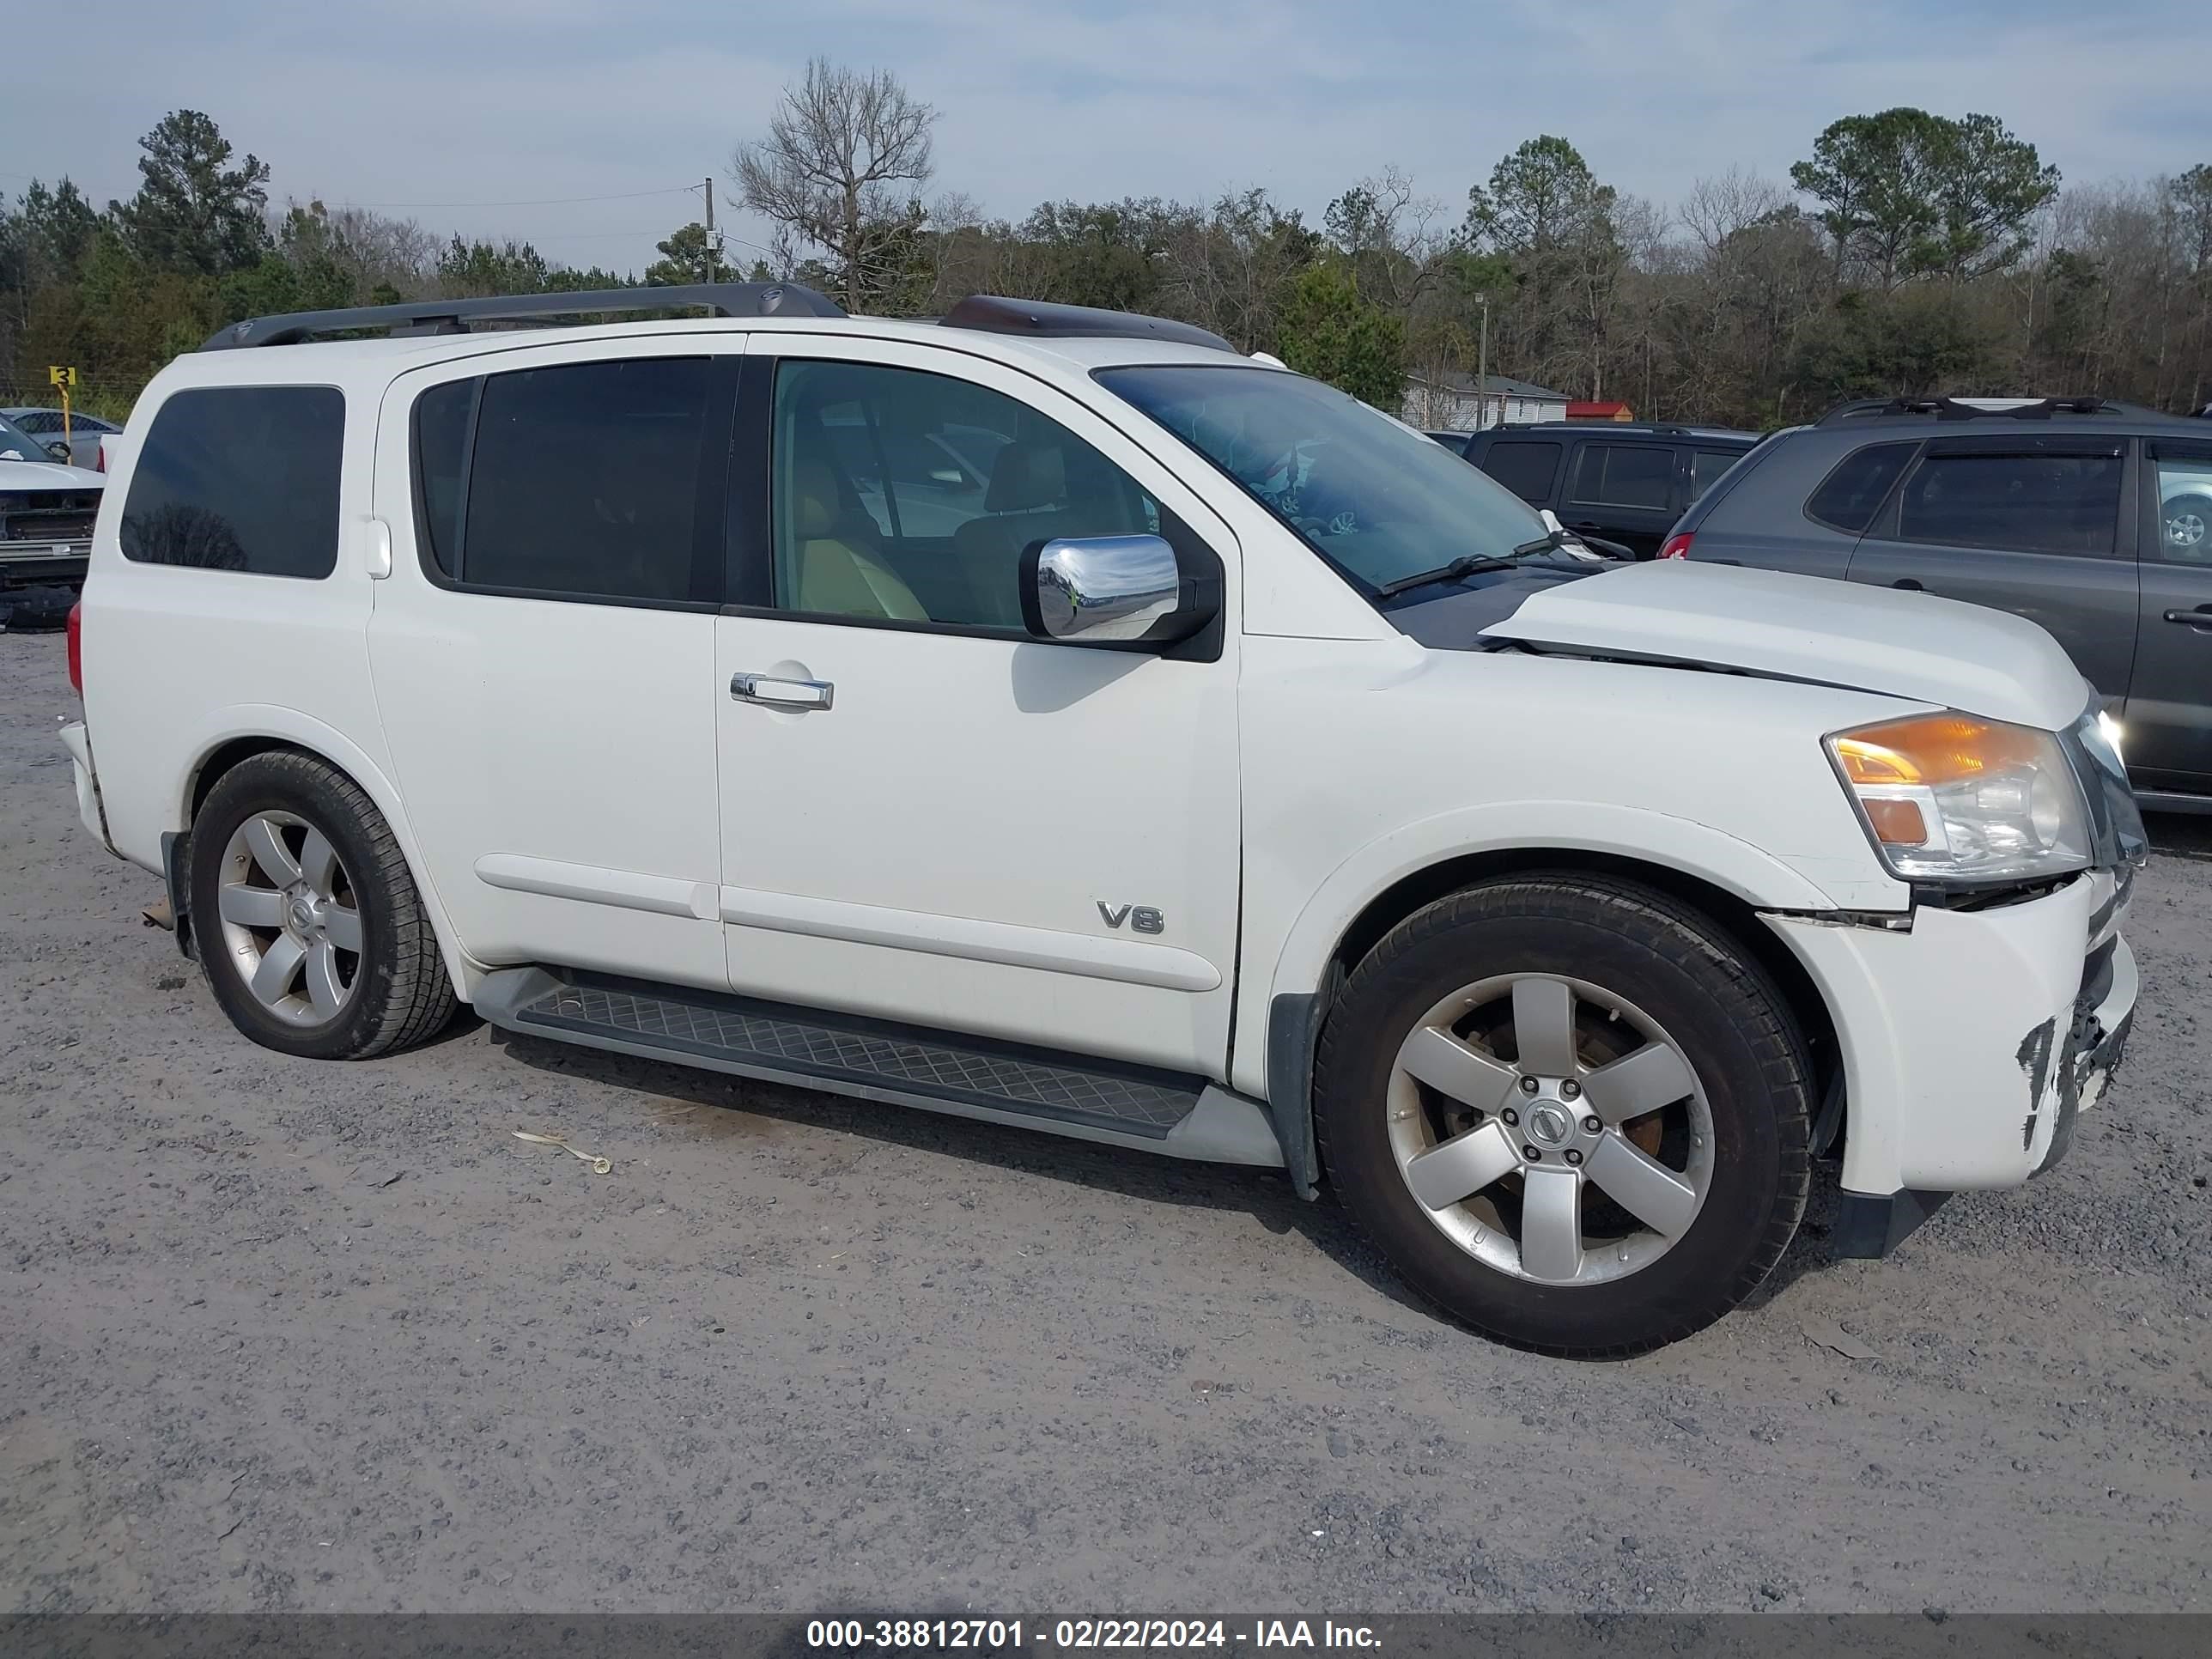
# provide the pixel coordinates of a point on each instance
(284, 1335)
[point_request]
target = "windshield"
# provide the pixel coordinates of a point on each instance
(17, 445)
(1377, 499)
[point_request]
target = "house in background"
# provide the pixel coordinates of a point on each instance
(1600, 411)
(1452, 403)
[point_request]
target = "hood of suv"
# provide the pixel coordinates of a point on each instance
(1810, 627)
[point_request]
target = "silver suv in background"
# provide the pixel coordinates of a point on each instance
(2092, 518)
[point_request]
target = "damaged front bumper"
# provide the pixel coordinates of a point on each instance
(1971, 1041)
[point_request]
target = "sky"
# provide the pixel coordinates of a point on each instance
(493, 117)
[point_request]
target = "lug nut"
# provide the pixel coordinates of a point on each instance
(1570, 1090)
(1590, 1125)
(1532, 1155)
(1573, 1156)
(1529, 1086)
(1510, 1116)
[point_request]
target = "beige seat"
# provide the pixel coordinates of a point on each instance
(839, 572)
(1023, 503)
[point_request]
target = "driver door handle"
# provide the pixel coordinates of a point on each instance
(773, 693)
(2201, 617)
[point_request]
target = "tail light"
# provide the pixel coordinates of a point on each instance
(100, 457)
(76, 647)
(1677, 546)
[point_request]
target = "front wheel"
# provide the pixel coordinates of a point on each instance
(307, 922)
(2186, 523)
(1570, 1110)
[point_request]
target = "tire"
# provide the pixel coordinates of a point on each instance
(388, 991)
(1723, 1165)
(2185, 528)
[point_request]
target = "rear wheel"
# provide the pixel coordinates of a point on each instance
(308, 925)
(1570, 1110)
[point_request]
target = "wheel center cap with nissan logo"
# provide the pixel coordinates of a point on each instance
(1550, 1125)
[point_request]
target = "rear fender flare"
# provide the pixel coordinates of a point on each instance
(288, 728)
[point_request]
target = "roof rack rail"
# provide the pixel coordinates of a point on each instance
(454, 316)
(1965, 409)
(1040, 320)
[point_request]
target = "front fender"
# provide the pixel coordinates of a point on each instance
(1681, 845)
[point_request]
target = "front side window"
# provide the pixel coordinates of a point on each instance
(1625, 475)
(1377, 499)
(2032, 503)
(2184, 504)
(1526, 468)
(239, 479)
(901, 495)
(17, 444)
(583, 481)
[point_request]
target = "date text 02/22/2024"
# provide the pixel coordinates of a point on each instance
(1082, 1635)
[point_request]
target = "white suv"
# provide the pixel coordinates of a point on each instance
(1052, 717)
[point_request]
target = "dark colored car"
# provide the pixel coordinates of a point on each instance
(1627, 482)
(1455, 441)
(2092, 518)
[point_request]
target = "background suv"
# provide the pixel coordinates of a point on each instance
(2088, 517)
(1627, 483)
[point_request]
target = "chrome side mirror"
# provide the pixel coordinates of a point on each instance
(1109, 590)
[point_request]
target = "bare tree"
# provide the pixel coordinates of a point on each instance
(839, 149)
(1717, 209)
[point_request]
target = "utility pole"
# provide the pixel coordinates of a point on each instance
(1482, 368)
(713, 248)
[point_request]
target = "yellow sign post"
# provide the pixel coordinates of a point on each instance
(64, 377)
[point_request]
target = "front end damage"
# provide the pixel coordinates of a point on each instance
(1971, 1041)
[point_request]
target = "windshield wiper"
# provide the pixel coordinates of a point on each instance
(1474, 564)
(1557, 538)
(1468, 564)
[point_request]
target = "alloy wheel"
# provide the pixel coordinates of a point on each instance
(290, 919)
(1551, 1128)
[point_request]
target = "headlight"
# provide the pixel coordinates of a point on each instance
(1952, 798)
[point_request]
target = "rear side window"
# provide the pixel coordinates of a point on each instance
(239, 479)
(1850, 496)
(1625, 475)
(587, 481)
(1529, 470)
(1706, 466)
(2034, 503)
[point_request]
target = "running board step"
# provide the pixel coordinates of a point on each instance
(968, 1076)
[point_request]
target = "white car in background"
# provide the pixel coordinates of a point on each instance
(47, 510)
(81, 438)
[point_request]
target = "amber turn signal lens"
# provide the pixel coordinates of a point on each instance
(1933, 750)
(1898, 823)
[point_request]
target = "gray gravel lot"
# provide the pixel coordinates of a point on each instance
(282, 1335)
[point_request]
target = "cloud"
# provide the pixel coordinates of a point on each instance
(508, 100)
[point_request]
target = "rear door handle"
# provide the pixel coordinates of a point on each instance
(2199, 618)
(773, 693)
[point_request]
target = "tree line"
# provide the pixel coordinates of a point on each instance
(1908, 253)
